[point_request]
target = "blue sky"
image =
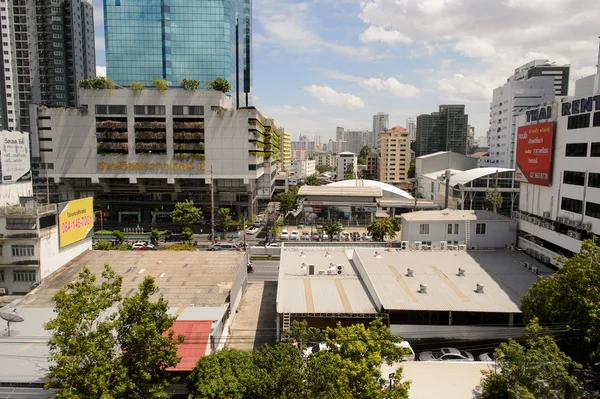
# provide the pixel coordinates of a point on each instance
(319, 64)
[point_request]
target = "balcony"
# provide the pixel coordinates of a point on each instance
(567, 236)
(28, 211)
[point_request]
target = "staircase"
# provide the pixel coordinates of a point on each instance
(468, 233)
(286, 322)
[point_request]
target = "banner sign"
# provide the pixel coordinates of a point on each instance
(534, 154)
(75, 220)
(16, 161)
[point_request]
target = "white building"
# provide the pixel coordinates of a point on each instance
(381, 122)
(304, 168)
(532, 84)
(357, 139)
(473, 229)
(566, 210)
(411, 127)
(347, 162)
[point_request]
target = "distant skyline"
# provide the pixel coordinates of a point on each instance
(319, 64)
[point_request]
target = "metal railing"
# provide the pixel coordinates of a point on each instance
(36, 210)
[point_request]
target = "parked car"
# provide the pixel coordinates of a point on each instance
(345, 236)
(305, 235)
(325, 236)
(251, 231)
(356, 236)
(316, 236)
(294, 235)
(446, 354)
(142, 245)
(223, 247)
(366, 237)
(300, 226)
(409, 354)
(284, 235)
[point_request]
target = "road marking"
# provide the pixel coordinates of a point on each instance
(404, 285)
(310, 305)
(450, 284)
(27, 346)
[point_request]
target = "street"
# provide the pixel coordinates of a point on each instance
(264, 270)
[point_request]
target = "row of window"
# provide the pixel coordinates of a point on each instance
(480, 228)
(578, 179)
(583, 121)
(20, 276)
(19, 251)
(581, 150)
(149, 110)
(592, 209)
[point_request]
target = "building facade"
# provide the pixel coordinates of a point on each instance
(304, 168)
(445, 130)
(356, 140)
(394, 155)
(559, 214)
(286, 149)
(139, 154)
(372, 169)
(298, 154)
(47, 48)
(534, 83)
(178, 40)
(411, 127)
(326, 158)
(347, 163)
(381, 122)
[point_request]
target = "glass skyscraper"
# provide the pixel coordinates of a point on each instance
(180, 39)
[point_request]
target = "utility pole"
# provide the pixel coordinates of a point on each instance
(447, 189)
(212, 205)
(47, 186)
(496, 193)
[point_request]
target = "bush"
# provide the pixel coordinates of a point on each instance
(155, 236)
(99, 82)
(104, 232)
(137, 87)
(220, 84)
(120, 237)
(189, 84)
(108, 246)
(160, 84)
(180, 247)
(187, 234)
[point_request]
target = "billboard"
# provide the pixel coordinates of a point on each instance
(15, 156)
(534, 154)
(75, 220)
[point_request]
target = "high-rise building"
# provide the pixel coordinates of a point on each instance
(47, 47)
(445, 130)
(175, 40)
(347, 163)
(381, 122)
(356, 139)
(394, 155)
(286, 149)
(411, 127)
(532, 84)
(339, 134)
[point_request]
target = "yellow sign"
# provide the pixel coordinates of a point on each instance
(75, 220)
(157, 166)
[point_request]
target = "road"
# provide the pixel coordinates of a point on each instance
(24, 393)
(264, 270)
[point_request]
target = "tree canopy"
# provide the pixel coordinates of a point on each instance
(323, 168)
(332, 228)
(225, 219)
(186, 213)
(220, 84)
(380, 228)
(312, 180)
(98, 354)
(364, 151)
(287, 202)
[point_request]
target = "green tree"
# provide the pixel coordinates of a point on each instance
(493, 200)
(348, 176)
(362, 160)
(119, 237)
(366, 150)
(412, 169)
(571, 297)
(186, 214)
(349, 169)
(303, 335)
(380, 228)
(136, 87)
(160, 84)
(276, 228)
(332, 228)
(189, 84)
(536, 369)
(220, 84)
(312, 180)
(98, 83)
(98, 354)
(155, 236)
(224, 220)
(187, 234)
(323, 168)
(282, 371)
(287, 202)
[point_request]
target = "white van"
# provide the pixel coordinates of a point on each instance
(408, 357)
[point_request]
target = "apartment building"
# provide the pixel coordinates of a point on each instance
(347, 163)
(394, 155)
(445, 130)
(326, 158)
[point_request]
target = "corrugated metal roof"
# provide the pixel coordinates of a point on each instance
(372, 183)
(473, 174)
(298, 292)
(452, 215)
(504, 279)
(196, 338)
(340, 191)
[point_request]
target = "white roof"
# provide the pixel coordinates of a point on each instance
(435, 175)
(452, 215)
(395, 191)
(344, 191)
(348, 153)
(473, 174)
(435, 154)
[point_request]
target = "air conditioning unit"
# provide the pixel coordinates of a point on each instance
(321, 272)
(546, 214)
(331, 271)
(404, 245)
(443, 245)
(417, 245)
(527, 265)
(534, 270)
(340, 269)
(2, 291)
(462, 247)
(586, 226)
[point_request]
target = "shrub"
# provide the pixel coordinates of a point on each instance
(98, 82)
(103, 246)
(160, 84)
(189, 84)
(187, 234)
(220, 84)
(137, 87)
(180, 247)
(120, 237)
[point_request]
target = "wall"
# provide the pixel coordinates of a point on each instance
(455, 332)
(238, 286)
(52, 257)
(442, 161)
(10, 193)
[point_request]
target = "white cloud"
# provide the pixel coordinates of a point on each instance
(100, 71)
(391, 85)
(328, 96)
(380, 34)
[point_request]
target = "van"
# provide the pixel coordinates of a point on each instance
(223, 247)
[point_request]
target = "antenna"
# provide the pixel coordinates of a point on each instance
(11, 318)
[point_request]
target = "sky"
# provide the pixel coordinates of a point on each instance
(318, 64)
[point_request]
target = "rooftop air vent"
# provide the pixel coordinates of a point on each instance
(328, 254)
(479, 288)
(303, 254)
(410, 272)
(423, 289)
(461, 272)
(378, 254)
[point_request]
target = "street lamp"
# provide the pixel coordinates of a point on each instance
(391, 376)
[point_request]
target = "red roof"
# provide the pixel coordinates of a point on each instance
(196, 339)
(397, 129)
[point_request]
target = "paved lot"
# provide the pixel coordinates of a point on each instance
(254, 323)
(264, 271)
(25, 393)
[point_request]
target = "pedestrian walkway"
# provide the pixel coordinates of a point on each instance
(254, 323)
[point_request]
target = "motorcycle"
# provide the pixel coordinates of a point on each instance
(250, 267)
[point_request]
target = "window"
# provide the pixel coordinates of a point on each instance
(111, 109)
(576, 150)
(188, 110)
(596, 121)
(574, 178)
(595, 150)
(480, 228)
(24, 276)
(594, 180)
(592, 209)
(571, 205)
(1, 274)
(578, 121)
(22, 250)
(449, 228)
(424, 229)
(455, 228)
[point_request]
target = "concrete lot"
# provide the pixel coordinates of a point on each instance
(254, 323)
(185, 278)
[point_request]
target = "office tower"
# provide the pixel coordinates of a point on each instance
(286, 149)
(356, 140)
(394, 155)
(339, 134)
(381, 122)
(175, 40)
(445, 130)
(411, 127)
(532, 84)
(47, 47)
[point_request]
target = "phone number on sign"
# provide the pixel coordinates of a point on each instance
(76, 224)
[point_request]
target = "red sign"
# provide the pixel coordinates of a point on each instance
(534, 154)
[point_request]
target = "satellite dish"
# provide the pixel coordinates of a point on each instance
(11, 318)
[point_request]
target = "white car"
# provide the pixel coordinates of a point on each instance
(409, 353)
(294, 235)
(325, 236)
(485, 357)
(284, 235)
(446, 354)
(251, 231)
(142, 245)
(317, 348)
(305, 235)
